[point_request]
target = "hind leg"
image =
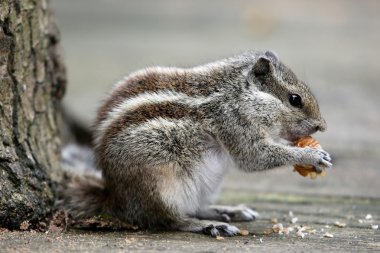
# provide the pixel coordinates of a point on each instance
(227, 213)
(159, 188)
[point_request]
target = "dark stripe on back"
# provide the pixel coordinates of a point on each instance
(155, 81)
(144, 113)
(150, 82)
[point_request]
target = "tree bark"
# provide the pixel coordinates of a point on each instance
(33, 81)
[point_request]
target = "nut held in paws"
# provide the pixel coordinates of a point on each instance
(308, 170)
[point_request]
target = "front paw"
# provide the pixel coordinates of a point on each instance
(319, 158)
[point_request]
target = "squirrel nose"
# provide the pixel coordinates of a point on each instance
(321, 126)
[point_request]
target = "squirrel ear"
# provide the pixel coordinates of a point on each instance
(272, 56)
(262, 66)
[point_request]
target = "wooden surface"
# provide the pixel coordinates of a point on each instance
(317, 212)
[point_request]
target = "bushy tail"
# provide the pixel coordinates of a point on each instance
(82, 193)
(85, 196)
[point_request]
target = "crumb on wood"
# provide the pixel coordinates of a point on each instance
(274, 220)
(339, 224)
(294, 220)
(219, 238)
(24, 225)
(299, 233)
(244, 232)
(277, 228)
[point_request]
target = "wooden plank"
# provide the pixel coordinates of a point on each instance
(317, 212)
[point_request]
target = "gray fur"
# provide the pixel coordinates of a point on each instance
(165, 171)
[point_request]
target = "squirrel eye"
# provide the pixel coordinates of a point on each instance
(295, 100)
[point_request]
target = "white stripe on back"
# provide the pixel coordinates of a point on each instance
(133, 103)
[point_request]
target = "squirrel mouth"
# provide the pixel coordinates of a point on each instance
(293, 136)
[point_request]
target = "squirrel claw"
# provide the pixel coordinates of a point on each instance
(221, 230)
(317, 157)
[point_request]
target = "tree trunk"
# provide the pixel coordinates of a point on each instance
(33, 81)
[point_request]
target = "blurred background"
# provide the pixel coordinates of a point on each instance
(333, 45)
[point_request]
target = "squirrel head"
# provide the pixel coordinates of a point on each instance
(300, 115)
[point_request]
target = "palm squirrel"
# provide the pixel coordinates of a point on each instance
(166, 137)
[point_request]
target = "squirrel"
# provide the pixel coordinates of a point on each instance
(165, 138)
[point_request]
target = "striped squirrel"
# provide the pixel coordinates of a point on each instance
(166, 137)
